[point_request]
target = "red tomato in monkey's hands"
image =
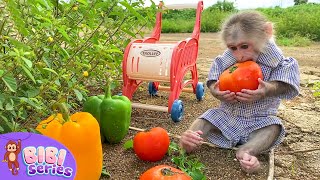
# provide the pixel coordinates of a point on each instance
(240, 76)
(151, 145)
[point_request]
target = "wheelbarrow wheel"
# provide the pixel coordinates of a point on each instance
(177, 110)
(152, 89)
(200, 91)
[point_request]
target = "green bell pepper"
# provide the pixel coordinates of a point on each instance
(112, 113)
(92, 106)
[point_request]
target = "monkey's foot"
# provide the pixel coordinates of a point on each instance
(10, 169)
(249, 163)
(18, 169)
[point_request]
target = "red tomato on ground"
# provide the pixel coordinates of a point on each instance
(164, 172)
(240, 76)
(151, 145)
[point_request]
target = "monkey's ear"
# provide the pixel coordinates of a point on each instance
(269, 29)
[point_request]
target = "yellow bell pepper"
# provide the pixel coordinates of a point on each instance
(80, 133)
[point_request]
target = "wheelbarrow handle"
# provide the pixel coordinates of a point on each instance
(181, 6)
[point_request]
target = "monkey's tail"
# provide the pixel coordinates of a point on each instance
(14, 171)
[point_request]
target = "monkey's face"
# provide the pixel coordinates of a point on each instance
(243, 51)
(11, 147)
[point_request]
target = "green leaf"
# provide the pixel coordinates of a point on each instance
(1, 105)
(26, 70)
(54, 89)
(23, 130)
(3, 119)
(1, 129)
(84, 2)
(10, 82)
(173, 147)
(102, 5)
(30, 102)
(132, 10)
(109, 56)
(34, 131)
(9, 105)
(5, 124)
(45, 3)
(187, 163)
(128, 144)
(57, 82)
(50, 70)
(22, 113)
(176, 160)
(114, 50)
(1, 72)
(12, 53)
(47, 61)
(197, 175)
(14, 115)
(117, 13)
(16, 15)
(129, 33)
(18, 44)
(63, 33)
(2, 99)
(33, 92)
(104, 172)
(27, 61)
(44, 19)
(78, 94)
(26, 53)
(64, 52)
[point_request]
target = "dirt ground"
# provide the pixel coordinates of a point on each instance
(301, 117)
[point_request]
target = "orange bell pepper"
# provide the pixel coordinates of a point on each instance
(80, 133)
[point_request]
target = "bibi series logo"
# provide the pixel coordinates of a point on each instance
(33, 156)
(47, 160)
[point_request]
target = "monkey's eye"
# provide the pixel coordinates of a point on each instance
(244, 46)
(233, 48)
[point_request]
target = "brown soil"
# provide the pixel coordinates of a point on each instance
(300, 116)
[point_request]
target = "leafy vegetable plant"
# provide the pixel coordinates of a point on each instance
(316, 88)
(187, 163)
(54, 50)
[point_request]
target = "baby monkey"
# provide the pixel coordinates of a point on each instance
(247, 119)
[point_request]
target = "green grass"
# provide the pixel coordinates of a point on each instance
(295, 26)
(297, 41)
(177, 26)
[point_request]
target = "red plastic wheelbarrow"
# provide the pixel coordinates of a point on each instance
(149, 60)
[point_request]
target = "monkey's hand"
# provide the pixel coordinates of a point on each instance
(249, 163)
(227, 96)
(4, 160)
(189, 140)
(247, 95)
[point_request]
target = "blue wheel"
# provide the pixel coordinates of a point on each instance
(152, 89)
(200, 91)
(177, 110)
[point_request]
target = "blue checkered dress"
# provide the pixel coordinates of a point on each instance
(237, 121)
